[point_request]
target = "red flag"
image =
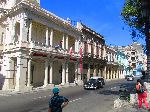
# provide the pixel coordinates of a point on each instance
(80, 60)
(70, 51)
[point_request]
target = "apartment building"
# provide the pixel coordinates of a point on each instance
(115, 65)
(136, 57)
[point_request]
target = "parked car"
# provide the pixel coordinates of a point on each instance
(94, 83)
(130, 78)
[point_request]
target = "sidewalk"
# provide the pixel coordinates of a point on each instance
(129, 108)
(12, 92)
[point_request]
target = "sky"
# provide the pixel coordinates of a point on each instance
(102, 16)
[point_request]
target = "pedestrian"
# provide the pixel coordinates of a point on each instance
(76, 81)
(142, 94)
(57, 103)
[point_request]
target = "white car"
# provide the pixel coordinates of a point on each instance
(130, 78)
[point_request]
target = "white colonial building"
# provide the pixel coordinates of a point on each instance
(39, 48)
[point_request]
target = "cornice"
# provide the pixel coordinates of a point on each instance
(43, 12)
(84, 27)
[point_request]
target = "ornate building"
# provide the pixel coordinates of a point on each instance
(37, 47)
(93, 45)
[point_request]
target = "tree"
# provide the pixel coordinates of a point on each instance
(136, 14)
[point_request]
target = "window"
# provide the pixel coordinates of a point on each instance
(133, 58)
(133, 53)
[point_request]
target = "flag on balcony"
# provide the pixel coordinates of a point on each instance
(80, 60)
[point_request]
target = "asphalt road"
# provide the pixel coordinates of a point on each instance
(81, 100)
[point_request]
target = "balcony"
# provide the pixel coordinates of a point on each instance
(39, 47)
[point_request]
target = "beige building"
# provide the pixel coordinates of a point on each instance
(113, 69)
(37, 47)
(40, 49)
(98, 58)
(93, 52)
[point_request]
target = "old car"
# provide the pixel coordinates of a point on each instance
(94, 83)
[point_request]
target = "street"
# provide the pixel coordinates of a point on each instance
(80, 100)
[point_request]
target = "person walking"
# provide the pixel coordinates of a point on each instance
(142, 94)
(57, 103)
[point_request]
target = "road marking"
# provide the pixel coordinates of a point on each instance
(4, 95)
(40, 97)
(113, 87)
(75, 100)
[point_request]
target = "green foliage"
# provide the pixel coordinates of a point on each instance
(132, 16)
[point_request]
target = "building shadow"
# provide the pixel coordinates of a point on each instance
(108, 92)
(2, 79)
(122, 87)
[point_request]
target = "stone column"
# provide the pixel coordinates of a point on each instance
(104, 52)
(104, 72)
(76, 46)
(13, 33)
(47, 36)
(124, 73)
(76, 70)
(51, 73)
(63, 43)
(118, 74)
(30, 32)
(67, 42)
(46, 74)
(6, 72)
(21, 73)
(95, 48)
(29, 73)
(23, 31)
(99, 48)
(7, 38)
(51, 37)
(88, 73)
(111, 73)
(107, 71)
(99, 71)
(63, 74)
(94, 74)
(67, 80)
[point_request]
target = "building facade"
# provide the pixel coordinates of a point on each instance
(114, 70)
(37, 46)
(93, 45)
(135, 56)
(40, 49)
